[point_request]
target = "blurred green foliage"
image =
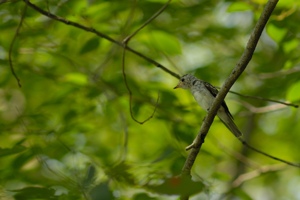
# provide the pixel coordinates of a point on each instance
(67, 133)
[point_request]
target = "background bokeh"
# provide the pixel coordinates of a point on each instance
(67, 133)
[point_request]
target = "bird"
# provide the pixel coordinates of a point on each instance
(204, 94)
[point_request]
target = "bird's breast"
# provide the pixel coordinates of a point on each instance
(203, 97)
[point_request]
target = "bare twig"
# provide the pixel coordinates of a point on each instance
(12, 45)
(278, 73)
(125, 43)
(102, 35)
(268, 155)
(130, 93)
(237, 71)
(147, 22)
(253, 174)
(265, 99)
(263, 109)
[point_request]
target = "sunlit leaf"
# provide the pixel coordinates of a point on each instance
(290, 45)
(288, 3)
(276, 33)
(238, 6)
(163, 41)
(76, 78)
(293, 93)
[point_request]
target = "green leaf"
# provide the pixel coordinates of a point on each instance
(276, 33)
(238, 6)
(16, 149)
(288, 4)
(90, 45)
(290, 45)
(76, 78)
(163, 41)
(293, 93)
(167, 42)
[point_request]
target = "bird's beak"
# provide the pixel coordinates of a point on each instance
(178, 86)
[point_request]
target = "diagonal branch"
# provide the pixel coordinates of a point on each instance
(100, 34)
(268, 155)
(237, 71)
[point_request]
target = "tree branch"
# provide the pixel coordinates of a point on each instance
(100, 34)
(237, 71)
(264, 99)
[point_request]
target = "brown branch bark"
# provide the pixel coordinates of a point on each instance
(237, 71)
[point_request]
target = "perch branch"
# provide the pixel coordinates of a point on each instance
(237, 71)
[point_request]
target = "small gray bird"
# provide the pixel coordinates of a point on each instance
(204, 93)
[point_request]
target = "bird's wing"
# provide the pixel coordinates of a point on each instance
(214, 91)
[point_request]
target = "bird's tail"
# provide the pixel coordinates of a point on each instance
(229, 123)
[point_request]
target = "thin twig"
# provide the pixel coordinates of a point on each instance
(125, 43)
(256, 173)
(237, 155)
(147, 22)
(265, 99)
(130, 93)
(268, 155)
(237, 71)
(264, 109)
(96, 32)
(278, 73)
(12, 45)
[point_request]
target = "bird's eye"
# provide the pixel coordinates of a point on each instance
(182, 80)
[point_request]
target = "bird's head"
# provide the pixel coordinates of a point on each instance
(186, 81)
